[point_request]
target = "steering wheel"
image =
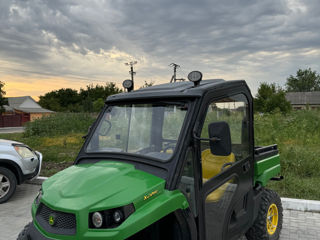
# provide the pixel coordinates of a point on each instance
(104, 130)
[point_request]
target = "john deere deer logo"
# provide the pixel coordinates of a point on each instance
(52, 219)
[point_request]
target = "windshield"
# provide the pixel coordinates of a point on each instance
(146, 129)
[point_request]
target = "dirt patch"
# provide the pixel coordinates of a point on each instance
(50, 168)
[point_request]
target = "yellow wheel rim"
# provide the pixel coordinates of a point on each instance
(272, 219)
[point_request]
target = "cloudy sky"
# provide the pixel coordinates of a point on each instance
(53, 44)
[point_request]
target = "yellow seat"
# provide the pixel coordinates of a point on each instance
(211, 166)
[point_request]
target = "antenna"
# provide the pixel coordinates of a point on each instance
(174, 76)
(132, 73)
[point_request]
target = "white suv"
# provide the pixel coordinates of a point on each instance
(18, 163)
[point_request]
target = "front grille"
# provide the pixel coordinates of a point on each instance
(63, 223)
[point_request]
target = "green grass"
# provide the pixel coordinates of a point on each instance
(297, 135)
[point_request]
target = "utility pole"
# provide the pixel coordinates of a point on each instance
(132, 73)
(174, 76)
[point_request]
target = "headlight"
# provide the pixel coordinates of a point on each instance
(117, 216)
(38, 198)
(97, 219)
(110, 218)
(24, 151)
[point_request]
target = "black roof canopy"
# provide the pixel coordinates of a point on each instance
(175, 90)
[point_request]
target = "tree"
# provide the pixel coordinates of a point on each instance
(270, 98)
(98, 105)
(3, 100)
(67, 99)
(305, 81)
(63, 99)
(147, 84)
(87, 104)
(93, 97)
(99, 91)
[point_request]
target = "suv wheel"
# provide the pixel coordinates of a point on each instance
(8, 183)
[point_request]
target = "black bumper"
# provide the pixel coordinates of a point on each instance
(34, 234)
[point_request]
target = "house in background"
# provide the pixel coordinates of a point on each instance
(20, 110)
(303, 100)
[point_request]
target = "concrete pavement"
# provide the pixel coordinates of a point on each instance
(15, 214)
(300, 225)
(11, 130)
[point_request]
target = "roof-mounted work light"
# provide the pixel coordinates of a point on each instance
(195, 77)
(128, 84)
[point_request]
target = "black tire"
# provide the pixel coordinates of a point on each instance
(23, 235)
(259, 229)
(7, 177)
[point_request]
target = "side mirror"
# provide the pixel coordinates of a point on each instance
(220, 131)
(85, 136)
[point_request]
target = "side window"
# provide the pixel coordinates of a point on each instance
(234, 111)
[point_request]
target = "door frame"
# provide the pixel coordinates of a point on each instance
(244, 181)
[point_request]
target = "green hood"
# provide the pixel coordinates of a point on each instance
(100, 186)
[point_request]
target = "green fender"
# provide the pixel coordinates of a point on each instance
(155, 209)
(266, 169)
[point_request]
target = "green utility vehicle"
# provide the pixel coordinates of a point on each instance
(172, 161)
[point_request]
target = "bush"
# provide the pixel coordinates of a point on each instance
(59, 124)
